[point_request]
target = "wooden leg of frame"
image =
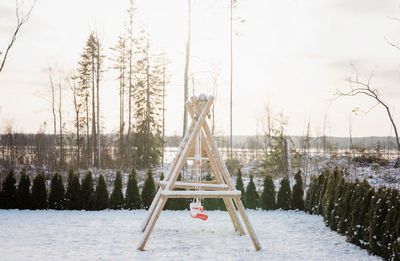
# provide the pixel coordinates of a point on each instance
(247, 223)
(152, 222)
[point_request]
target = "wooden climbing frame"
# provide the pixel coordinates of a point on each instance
(223, 187)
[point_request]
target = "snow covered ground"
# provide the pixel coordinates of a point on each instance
(113, 235)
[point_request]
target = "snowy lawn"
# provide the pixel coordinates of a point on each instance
(114, 235)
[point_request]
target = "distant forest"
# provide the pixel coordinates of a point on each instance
(44, 150)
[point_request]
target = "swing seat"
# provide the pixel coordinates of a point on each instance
(197, 211)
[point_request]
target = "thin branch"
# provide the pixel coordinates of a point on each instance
(365, 89)
(21, 19)
(392, 44)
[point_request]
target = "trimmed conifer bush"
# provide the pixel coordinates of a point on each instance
(240, 186)
(389, 231)
(252, 197)
(378, 217)
(132, 196)
(284, 195)
(1, 199)
(117, 198)
(334, 221)
(368, 218)
(356, 225)
(101, 194)
(57, 193)
(39, 192)
(325, 179)
(87, 192)
(9, 191)
(72, 197)
(298, 192)
(268, 196)
(310, 195)
(149, 190)
(24, 192)
(364, 214)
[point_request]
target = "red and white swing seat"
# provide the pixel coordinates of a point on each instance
(197, 211)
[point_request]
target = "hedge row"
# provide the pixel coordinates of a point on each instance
(368, 217)
(80, 194)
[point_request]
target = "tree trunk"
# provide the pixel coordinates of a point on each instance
(93, 143)
(98, 104)
(61, 126)
(186, 73)
(163, 113)
(231, 85)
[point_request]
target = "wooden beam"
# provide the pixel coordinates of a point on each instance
(193, 185)
(200, 194)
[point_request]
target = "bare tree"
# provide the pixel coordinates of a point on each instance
(52, 100)
(163, 109)
(131, 11)
(22, 18)
(120, 65)
(358, 87)
(10, 143)
(53, 112)
(215, 94)
(78, 99)
(186, 72)
(231, 81)
(60, 120)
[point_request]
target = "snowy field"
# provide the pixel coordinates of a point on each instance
(113, 235)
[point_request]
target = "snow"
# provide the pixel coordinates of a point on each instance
(114, 235)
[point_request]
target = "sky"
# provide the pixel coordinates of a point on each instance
(292, 54)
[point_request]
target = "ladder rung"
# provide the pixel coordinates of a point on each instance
(180, 184)
(200, 194)
(194, 158)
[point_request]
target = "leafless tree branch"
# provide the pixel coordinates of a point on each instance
(358, 87)
(21, 19)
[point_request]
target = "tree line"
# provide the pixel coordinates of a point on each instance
(86, 193)
(78, 194)
(368, 217)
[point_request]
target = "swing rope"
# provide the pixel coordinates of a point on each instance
(196, 208)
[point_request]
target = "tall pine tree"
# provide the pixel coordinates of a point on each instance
(148, 105)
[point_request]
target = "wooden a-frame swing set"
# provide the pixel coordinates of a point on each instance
(222, 187)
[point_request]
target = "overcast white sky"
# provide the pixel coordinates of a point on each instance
(293, 52)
